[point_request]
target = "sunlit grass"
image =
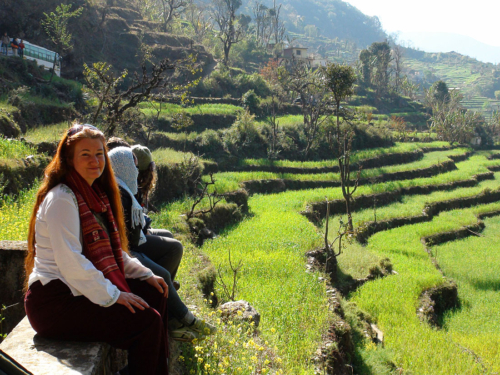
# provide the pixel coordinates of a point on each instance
(413, 205)
(271, 245)
(392, 301)
(227, 181)
(169, 109)
(14, 149)
(356, 157)
(191, 136)
(15, 214)
(272, 241)
(476, 325)
(49, 133)
(168, 155)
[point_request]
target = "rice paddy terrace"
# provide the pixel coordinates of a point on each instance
(427, 217)
(463, 73)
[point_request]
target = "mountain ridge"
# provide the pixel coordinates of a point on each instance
(452, 42)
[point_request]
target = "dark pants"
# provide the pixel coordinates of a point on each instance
(162, 249)
(55, 313)
(162, 254)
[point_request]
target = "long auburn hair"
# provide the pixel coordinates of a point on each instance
(55, 173)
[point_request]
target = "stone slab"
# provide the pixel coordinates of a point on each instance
(48, 357)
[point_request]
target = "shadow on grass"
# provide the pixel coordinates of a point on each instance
(486, 285)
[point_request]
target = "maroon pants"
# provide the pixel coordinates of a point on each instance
(55, 313)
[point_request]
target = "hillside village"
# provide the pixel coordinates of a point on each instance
(335, 191)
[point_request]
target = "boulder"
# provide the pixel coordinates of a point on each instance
(248, 312)
(8, 128)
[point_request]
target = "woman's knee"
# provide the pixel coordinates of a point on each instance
(178, 249)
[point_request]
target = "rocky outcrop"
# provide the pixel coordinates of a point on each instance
(435, 301)
(240, 310)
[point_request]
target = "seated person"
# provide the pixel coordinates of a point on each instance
(81, 283)
(157, 238)
(186, 325)
(170, 255)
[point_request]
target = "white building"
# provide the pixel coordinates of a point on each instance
(43, 56)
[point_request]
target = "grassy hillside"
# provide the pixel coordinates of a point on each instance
(476, 80)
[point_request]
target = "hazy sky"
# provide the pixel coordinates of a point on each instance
(478, 19)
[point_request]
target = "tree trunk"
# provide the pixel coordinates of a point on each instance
(331, 266)
(53, 69)
(350, 227)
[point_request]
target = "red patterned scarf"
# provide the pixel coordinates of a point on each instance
(105, 252)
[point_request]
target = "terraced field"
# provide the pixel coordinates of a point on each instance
(271, 235)
(464, 76)
(295, 302)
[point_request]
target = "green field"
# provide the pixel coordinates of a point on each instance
(228, 181)
(13, 149)
(271, 242)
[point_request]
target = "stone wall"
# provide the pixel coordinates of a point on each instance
(12, 255)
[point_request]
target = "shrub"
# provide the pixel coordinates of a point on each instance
(369, 136)
(251, 101)
(210, 141)
(243, 135)
(221, 83)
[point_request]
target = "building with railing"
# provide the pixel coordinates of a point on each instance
(43, 56)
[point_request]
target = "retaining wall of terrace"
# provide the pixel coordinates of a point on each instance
(429, 211)
(18, 174)
(316, 211)
(201, 122)
(280, 185)
(379, 161)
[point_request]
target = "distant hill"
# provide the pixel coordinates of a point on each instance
(333, 19)
(447, 42)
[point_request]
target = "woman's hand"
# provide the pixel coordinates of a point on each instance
(129, 300)
(159, 284)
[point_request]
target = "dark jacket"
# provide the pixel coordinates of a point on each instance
(133, 234)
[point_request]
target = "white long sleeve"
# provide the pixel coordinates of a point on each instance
(59, 251)
(134, 269)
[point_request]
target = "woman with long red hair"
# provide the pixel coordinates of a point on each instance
(81, 283)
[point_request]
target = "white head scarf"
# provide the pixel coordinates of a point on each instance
(126, 173)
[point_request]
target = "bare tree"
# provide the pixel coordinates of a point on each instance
(103, 83)
(171, 9)
(340, 81)
(234, 269)
(229, 30)
(278, 26)
(398, 59)
(259, 11)
(269, 26)
(298, 79)
(331, 255)
(201, 194)
(199, 18)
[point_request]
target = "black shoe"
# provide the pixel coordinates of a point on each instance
(177, 285)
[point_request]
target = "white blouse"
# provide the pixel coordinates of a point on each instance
(59, 251)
